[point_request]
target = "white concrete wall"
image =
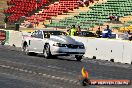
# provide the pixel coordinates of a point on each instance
(104, 49)
(107, 49)
(15, 38)
(127, 54)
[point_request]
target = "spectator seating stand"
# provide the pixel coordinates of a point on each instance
(55, 9)
(22, 8)
(97, 15)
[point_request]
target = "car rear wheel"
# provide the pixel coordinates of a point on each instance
(78, 57)
(26, 51)
(47, 53)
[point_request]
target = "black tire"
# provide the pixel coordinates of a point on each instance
(2, 42)
(26, 51)
(46, 51)
(78, 57)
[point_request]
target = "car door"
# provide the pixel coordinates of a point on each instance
(31, 44)
(37, 42)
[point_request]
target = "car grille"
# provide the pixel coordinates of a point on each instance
(72, 46)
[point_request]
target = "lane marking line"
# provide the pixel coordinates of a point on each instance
(45, 75)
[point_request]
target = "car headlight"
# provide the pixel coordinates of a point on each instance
(59, 45)
(81, 46)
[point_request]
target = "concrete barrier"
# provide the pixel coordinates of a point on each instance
(16, 38)
(127, 53)
(104, 49)
(107, 49)
(13, 38)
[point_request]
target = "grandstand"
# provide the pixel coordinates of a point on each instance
(22, 8)
(63, 13)
(98, 14)
(54, 10)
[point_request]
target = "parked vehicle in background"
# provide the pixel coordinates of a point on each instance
(87, 34)
(51, 42)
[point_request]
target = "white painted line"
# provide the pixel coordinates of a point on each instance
(30, 72)
(4, 66)
(62, 78)
(12, 68)
(34, 73)
(54, 67)
(57, 77)
(75, 81)
(21, 70)
(25, 70)
(16, 68)
(40, 73)
(7, 66)
(66, 79)
(44, 74)
(53, 77)
(71, 80)
(48, 75)
(61, 87)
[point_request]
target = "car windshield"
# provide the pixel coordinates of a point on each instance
(55, 32)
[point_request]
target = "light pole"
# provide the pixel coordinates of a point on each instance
(124, 25)
(18, 23)
(6, 20)
(37, 1)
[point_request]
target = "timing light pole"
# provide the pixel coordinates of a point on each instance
(37, 1)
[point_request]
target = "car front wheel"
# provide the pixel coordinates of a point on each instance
(25, 50)
(47, 53)
(78, 57)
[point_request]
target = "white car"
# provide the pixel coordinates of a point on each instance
(51, 42)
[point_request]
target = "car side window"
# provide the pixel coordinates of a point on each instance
(34, 34)
(40, 34)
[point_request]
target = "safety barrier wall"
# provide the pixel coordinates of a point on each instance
(127, 54)
(13, 38)
(107, 49)
(104, 49)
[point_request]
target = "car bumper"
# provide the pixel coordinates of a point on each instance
(67, 51)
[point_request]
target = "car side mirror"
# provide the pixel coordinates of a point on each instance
(47, 36)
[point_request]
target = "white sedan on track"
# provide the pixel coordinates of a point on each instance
(51, 42)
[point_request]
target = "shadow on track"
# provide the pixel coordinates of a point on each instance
(67, 58)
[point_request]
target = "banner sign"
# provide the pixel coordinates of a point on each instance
(2, 35)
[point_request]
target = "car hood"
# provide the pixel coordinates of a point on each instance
(64, 40)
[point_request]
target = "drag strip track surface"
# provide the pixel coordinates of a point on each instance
(21, 71)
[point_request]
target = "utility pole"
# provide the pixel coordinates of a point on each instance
(6, 20)
(37, 1)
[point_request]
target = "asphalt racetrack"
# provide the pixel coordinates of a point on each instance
(18, 70)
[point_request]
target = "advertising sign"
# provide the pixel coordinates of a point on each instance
(2, 35)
